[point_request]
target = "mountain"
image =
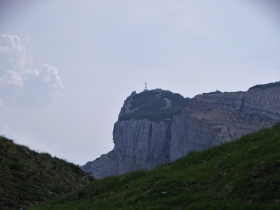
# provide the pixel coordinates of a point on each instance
(243, 174)
(28, 177)
(156, 126)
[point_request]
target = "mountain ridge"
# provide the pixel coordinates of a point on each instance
(148, 134)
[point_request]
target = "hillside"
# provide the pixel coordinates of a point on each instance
(28, 177)
(243, 174)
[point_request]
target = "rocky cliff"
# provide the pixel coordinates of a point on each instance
(156, 127)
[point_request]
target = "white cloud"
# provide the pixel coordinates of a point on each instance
(20, 83)
(12, 78)
(49, 75)
(12, 46)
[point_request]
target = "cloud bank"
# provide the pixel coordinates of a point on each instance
(20, 83)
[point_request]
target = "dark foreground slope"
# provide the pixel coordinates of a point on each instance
(244, 174)
(28, 177)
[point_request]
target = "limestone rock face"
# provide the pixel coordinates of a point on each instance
(103, 166)
(208, 120)
(212, 119)
(141, 144)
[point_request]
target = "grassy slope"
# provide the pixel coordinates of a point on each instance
(28, 177)
(244, 174)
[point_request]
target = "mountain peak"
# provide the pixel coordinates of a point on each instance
(155, 105)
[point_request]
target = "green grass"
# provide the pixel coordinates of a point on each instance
(28, 177)
(244, 174)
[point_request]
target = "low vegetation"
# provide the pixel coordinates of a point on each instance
(265, 86)
(151, 105)
(28, 177)
(243, 174)
(156, 115)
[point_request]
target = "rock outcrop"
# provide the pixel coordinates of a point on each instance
(141, 144)
(166, 127)
(212, 119)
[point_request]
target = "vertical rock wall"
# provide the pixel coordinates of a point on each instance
(210, 119)
(141, 144)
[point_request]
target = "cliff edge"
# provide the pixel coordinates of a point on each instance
(157, 126)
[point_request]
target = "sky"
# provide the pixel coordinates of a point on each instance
(66, 66)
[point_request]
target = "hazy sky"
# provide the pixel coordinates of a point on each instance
(67, 66)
